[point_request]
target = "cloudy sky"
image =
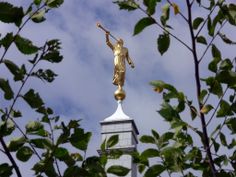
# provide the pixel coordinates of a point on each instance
(83, 89)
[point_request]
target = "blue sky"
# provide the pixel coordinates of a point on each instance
(84, 87)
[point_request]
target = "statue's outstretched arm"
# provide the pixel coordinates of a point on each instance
(108, 41)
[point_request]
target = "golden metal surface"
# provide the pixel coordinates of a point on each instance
(121, 55)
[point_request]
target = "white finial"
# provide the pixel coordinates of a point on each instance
(119, 114)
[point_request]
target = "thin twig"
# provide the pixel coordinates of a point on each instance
(178, 39)
(213, 38)
(205, 21)
(216, 108)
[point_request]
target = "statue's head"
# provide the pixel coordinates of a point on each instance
(120, 41)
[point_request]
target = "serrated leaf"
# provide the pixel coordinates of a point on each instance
(24, 153)
(53, 57)
(197, 21)
(202, 40)
(33, 99)
(17, 72)
(83, 140)
(7, 40)
(11, 14)
(112, 141)
(25, 46)
(6, 88)
(154, 171)
(118, 170)
(163, 43)
(143, 23)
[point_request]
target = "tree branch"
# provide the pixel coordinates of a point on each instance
(7, 152)
(198, 85)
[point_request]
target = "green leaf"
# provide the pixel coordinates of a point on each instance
(25, 46)
(112, 141)
(24, 153)
(215, 52)
(118, 170)
(215, 144)
(147, 139)
(143, 23)
(197, 21)
(54, 3)
(42, 143)
(232, 14)
(231, 124)
(53, 57)
(225, 109)
(11, 14)
(7, 40)
(210, 27)
(37, 2)
(80, 139)
(151, 6)
(127, 5)
(163, 140)
(5, 170)
(61, 153)
(206, 108)
(38, 17)
(223, 139)
(168, 112)
(215, 86)
(33, 126)
(155, 134)
(154, 171)
(6, 127)
(16, 143)
(213, 64)
(165, 14)
(6, 88)
(149, 153)
(226, 64)
(15, 70)
(163, 43)
(33, 99)
(202, 95)
(227, 77)
(202, 40)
